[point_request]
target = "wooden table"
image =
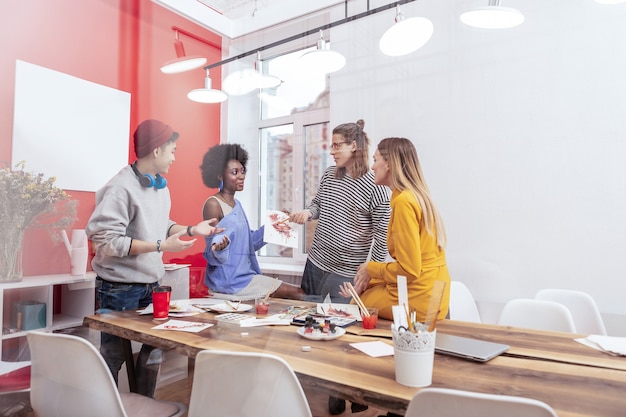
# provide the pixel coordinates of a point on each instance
(574, 379)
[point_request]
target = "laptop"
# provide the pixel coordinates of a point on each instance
(464, 347)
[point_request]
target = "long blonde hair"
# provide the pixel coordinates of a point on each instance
(406, 174)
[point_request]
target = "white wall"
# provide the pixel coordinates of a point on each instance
(522, 137)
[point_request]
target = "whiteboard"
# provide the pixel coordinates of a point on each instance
(69, 128)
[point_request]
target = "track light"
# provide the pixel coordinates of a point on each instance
(493, 16)
(323, 59)
(406, 35)
(207, 94)
(182, 63)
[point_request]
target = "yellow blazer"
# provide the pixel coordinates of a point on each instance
(416, 256)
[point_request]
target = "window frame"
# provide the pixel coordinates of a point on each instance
(299, 121)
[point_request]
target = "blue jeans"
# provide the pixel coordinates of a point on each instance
(119, 297)
(317, 283)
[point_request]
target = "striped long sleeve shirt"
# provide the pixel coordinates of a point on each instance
(352, 212)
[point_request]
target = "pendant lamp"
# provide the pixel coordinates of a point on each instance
(207, 94)
(247, 80)
(406, 35)
(323, 59)
(183, 62)
(493, 16)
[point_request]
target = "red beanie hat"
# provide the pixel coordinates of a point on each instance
(150, 134)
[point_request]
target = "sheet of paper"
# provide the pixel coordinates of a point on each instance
(273, 320)
(278, 230)
(374, 349)
(178, 308)
(183, 326)
(347, 311)
(173, 267)
(610, 344)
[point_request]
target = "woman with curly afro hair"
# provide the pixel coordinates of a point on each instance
(233, 271)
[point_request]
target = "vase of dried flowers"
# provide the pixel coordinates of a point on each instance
(28, 200)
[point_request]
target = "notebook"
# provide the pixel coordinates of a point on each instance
(464, 347)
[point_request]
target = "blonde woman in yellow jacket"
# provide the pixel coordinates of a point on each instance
(415, 237)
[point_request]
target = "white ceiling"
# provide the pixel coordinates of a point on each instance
(235, 18)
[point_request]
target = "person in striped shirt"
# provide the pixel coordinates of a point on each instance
(352, 214)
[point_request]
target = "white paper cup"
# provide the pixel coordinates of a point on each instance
(414, 355)
(78, 261)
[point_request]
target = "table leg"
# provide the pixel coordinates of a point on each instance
(130, 365)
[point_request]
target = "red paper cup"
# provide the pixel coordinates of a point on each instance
(161, 302)
(370, 322)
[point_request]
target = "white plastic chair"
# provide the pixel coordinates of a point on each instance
(443, 402)
(69, 378)
(537, 314)
(582, 306)
(462, 303)
(245, 384)
(14, 388)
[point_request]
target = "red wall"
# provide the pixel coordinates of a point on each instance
(119, 44)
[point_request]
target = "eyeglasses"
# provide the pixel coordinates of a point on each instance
(336, 145)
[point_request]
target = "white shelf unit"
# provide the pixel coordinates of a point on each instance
(77, 299)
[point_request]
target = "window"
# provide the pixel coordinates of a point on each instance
(293, 147)
(299, 91)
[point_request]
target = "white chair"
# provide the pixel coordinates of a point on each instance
(14, 388)
(582, 306)
(245, 384)
(70, 378)
(442, 402)
(537, 314)
(462, 304)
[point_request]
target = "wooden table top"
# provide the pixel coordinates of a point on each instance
(552, 367)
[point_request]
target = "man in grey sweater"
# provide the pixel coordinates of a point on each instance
(129, 229)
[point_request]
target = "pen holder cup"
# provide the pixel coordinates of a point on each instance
(414, 355)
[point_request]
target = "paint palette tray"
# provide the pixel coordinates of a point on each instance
(235, 318)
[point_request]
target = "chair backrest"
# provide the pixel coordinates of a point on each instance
(462, 304)
(442, 402)
(537, 314)
(245, 384)
(584, 310)
(70, 378)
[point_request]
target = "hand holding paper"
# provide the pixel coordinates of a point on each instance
(278, 230)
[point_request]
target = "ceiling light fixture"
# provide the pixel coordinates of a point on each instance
(323, 59)
(182, 62)
(207, 94)
(264, 80)
(309, 32)
(406, 35)
(247, 80)
(238, 83)
(493, 16)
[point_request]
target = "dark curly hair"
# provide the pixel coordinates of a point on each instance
(215, 160)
